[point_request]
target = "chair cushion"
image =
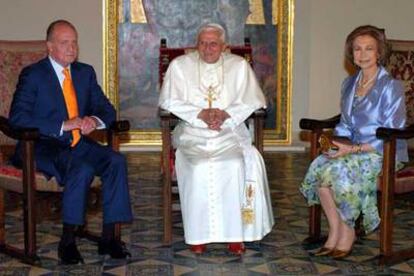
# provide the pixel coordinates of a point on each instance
(11, 179)
(404, 181)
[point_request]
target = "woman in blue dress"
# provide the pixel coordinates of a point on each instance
(344, 182)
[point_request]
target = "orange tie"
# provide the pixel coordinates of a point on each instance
(71, 103)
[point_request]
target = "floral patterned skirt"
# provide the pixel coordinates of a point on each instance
(353, 181)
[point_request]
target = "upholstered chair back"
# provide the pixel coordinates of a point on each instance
(14, 56)
(401, 66)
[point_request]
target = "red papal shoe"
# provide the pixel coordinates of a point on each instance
(237, 248)
(198, 248)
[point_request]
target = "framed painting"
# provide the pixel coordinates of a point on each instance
(132, 33)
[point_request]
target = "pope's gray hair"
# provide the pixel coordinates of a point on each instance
(213, 27)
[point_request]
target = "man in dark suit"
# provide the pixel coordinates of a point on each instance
(62, 99)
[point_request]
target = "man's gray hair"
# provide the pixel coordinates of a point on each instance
(213, 27)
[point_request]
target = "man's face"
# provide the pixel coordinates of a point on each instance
(210, 46)
(63, 45)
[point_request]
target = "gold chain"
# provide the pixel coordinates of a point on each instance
(211, 92)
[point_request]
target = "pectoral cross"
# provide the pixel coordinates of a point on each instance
(210, 96)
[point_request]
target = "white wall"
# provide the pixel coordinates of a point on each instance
(321, 27)
(28, 19)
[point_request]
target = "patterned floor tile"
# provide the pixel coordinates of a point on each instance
(280, 253)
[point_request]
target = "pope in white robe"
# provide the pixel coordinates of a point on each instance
(221, 176)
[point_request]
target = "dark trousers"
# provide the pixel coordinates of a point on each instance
(75, 168)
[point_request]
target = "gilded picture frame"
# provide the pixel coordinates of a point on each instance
(283, 15)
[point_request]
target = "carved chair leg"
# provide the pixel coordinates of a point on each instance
(30, 231)
(167, 212)
(167, 197)
(314, 225)
(2, 219)
(359, 230)
(117, 233)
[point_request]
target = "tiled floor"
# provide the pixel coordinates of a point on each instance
(280, 253)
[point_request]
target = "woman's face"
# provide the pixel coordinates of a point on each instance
(365, 52)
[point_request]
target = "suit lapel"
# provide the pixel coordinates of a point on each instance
(56, 87)
(77, 83)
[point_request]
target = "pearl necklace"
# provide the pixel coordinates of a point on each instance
(368, 82)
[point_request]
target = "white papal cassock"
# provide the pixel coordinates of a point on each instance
(214, 168)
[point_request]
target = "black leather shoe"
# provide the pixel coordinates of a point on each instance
(69, 254)
(116, 249)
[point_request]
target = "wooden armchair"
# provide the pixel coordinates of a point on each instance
(168, 121)
(391, 184)
(26, 181)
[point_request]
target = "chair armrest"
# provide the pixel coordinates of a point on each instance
(259, 113)
(24, 134)
(387, 134)
(168, 120)
(116, 128)
(166, 115)
(388, 176)
(27, 136)
(120, 126)
(111, 135)
(114, 132)
(316, 127)
(257, 117)
(313, 125)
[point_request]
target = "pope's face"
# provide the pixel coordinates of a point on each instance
(210, 46)
(63, 45)
(365, 51)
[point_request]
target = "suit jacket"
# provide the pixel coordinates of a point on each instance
(39, 103)
(383, 106)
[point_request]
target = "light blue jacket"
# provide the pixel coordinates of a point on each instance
(383, 106)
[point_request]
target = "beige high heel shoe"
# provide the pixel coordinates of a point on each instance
(323, 251)
(340, 254)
